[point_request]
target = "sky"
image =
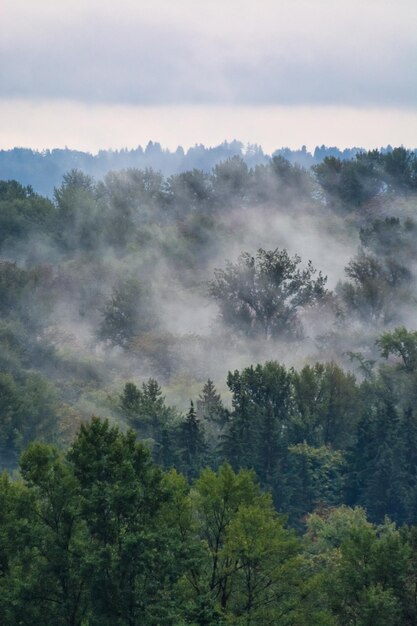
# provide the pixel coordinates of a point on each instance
(93, 74)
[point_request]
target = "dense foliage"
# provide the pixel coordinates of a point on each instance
(259, 461)
(100, 535)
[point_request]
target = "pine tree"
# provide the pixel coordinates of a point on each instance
(210, 406)
(192, 443)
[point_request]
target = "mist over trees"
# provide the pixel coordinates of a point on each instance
(261, 295)
(45, 169)
(248, 330)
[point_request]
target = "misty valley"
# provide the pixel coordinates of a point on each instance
(208, 393)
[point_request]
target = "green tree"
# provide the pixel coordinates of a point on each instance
(28, 410)
(147, 413)
(314, 480)
(135, 562)
(327, 403)
(376, 469)
(57, 541)
(23, 214)
(364, 567)
(129, 199)
(401, 343)
(210, 406)
(263, 295)
(192, 443)
(253, 571)
(257, 432)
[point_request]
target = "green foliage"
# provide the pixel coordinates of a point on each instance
(257, 432)
(326, 406)
(315, 480)
(147, 413)
(192, 443)
(349, 183)
(210, 406)
(128, 199)
(252, 572)
(364, 567)
(190, 191)
(23, 214)
(28, 411)
(401, 168)
(401, 343)
(101, 535)
(135, 562)
(58, 540)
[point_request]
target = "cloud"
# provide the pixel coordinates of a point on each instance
(247, 53)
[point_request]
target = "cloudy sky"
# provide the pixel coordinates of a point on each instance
(94, 74)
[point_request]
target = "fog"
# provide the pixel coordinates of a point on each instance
(130, 261)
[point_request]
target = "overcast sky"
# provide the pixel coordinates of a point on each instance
(92, 73)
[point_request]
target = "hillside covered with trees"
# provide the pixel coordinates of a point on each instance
(44, 169)
(247, 336)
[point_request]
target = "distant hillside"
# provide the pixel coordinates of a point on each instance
(44, 170)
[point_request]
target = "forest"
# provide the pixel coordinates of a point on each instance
(43, 170)
(208, 395)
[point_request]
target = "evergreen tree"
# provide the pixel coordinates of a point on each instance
(210, 406)
(192, 443)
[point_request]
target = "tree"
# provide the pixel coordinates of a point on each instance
(314, 480)
(23, 213)
(25, 294)
(127, 313)
(263, 295)
(190, 191)
(402, 343)
(78, 216)
(57, 540)
(326, 406)
(148, 415)
(229, 180)
(293, 183)
(257, 432)
(378, 477)
(144, 408)
(192, 443)
(400, 167)
(130, 198)
(28, 411)
(375, 288)
(391, 238)
(210, 406)
(252, 572)
(350, 183)
(364, 567)
(133, 552)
